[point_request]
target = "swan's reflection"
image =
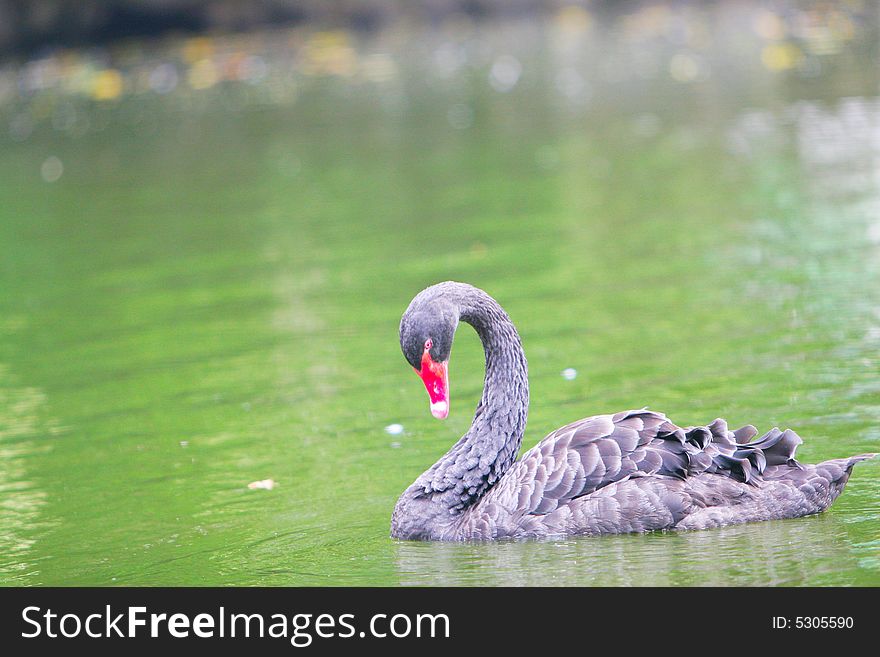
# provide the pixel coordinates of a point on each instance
(752, 554)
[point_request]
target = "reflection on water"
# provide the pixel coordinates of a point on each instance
(771, 553)
(21, 501)
(211, 283)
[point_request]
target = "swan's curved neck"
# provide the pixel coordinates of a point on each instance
(491, 444)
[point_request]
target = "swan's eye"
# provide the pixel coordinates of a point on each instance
(428, 344)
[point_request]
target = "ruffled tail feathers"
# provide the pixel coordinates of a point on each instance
(774, 448)
(690, 451)
(747, 459)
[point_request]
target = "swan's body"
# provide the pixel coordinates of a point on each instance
(634, 471)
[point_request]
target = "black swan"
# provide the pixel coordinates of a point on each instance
(634, 471)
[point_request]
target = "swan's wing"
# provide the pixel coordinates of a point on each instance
(580, 458)
(587, 455)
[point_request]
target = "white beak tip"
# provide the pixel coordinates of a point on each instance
(440, 409)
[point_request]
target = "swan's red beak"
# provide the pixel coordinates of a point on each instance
(435, 376)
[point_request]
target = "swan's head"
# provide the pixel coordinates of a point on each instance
(426, 332)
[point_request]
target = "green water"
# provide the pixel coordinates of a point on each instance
(209, 296)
